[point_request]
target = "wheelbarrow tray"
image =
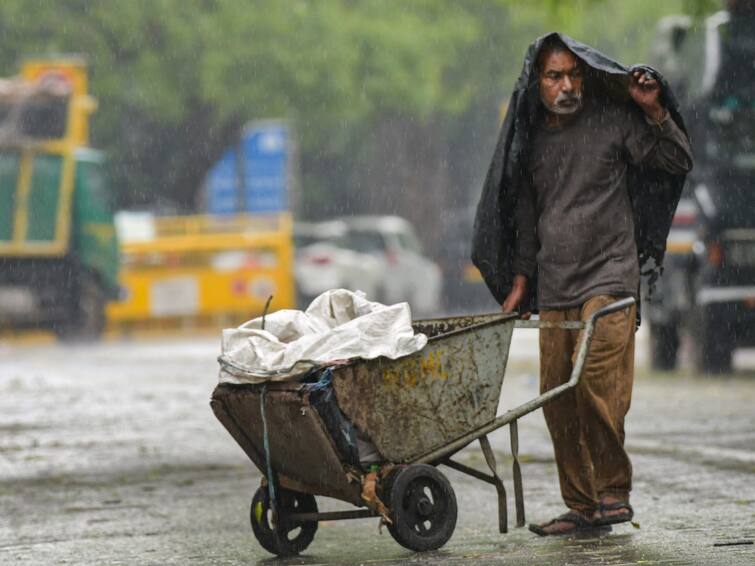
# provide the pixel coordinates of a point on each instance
(413, 405)
(302, 451)
(407, 407)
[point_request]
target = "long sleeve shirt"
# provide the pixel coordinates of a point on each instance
(574, 217)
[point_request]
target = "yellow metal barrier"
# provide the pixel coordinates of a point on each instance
(200, 270)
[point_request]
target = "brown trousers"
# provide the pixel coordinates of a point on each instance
(587, 423)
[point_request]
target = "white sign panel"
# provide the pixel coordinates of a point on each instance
(178, 296)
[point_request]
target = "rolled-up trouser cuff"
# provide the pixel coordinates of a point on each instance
(620, 494)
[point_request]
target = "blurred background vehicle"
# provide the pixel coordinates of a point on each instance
(188, 134)
(58, 250)
(406, 273)
(322, 264)
(708, 288)
(464, 291)
(195, 271)
(308, 233)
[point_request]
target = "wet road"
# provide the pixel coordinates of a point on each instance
(111, 455)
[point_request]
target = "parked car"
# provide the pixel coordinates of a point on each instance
(308, 233)
(321, 264)
(405, 273)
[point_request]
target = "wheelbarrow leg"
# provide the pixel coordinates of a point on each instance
(518, 492)
(487, 451)
(272, 479)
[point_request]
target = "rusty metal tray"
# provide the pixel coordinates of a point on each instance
(413, 405)
(302, 452)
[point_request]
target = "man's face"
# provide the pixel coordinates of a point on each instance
(560, 82)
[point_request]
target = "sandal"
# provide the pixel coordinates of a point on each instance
(577, 521)
(616, 518)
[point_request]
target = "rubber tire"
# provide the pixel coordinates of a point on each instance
(664, 345)
(713, 351)
(408, 491)
(87, 318)
(288, 502)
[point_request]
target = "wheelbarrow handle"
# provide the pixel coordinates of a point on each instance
(584, 346)
(588, 328)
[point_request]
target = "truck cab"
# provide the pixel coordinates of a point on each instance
(58, 250)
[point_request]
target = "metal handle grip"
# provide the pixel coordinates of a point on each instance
(610, 308)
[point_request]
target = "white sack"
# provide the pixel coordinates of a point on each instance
(338, 325)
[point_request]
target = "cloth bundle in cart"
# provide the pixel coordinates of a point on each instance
(373, 432)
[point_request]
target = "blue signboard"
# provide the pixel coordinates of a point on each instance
(223, 185)
(265, 154)
(259, 181)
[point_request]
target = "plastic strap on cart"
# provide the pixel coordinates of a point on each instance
(318, 379)
(323, 399)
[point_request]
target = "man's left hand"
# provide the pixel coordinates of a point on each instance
(645, 91)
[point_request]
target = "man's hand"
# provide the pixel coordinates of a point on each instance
(645, 91)
(516, 295)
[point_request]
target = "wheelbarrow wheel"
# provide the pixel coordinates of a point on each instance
(283, 537)
(423, 508)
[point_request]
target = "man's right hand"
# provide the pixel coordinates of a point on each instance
(516, 296)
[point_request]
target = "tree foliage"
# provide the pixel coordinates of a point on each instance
(395, 104)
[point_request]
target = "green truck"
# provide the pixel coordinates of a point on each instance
(58, 248)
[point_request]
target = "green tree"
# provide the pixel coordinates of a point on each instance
(395, 104)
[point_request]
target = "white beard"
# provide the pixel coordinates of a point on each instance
(558, 108)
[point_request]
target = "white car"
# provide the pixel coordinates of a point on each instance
(321, 264)
(405, 273)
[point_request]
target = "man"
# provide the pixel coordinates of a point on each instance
(577, 173)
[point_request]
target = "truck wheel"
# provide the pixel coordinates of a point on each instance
(283, 538)
(86, 320)
(664, 345)
(712, 344)
(712, 350)
(423, 508)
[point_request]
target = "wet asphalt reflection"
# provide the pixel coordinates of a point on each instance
(110, 455)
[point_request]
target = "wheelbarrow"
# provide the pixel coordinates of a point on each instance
(417, 411)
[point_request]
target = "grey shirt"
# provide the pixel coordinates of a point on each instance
(574, 217)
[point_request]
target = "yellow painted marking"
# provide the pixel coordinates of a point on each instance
(472, 274)
(24, 248)
(26, 338)
(392, 377)
(410, 378)
(23, 187)
(430, 368)
(55, 147)
(679, 247)
(432, 365)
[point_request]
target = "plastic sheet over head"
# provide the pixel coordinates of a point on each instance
(337, 325)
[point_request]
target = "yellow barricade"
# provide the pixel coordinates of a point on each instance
(195, 271)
